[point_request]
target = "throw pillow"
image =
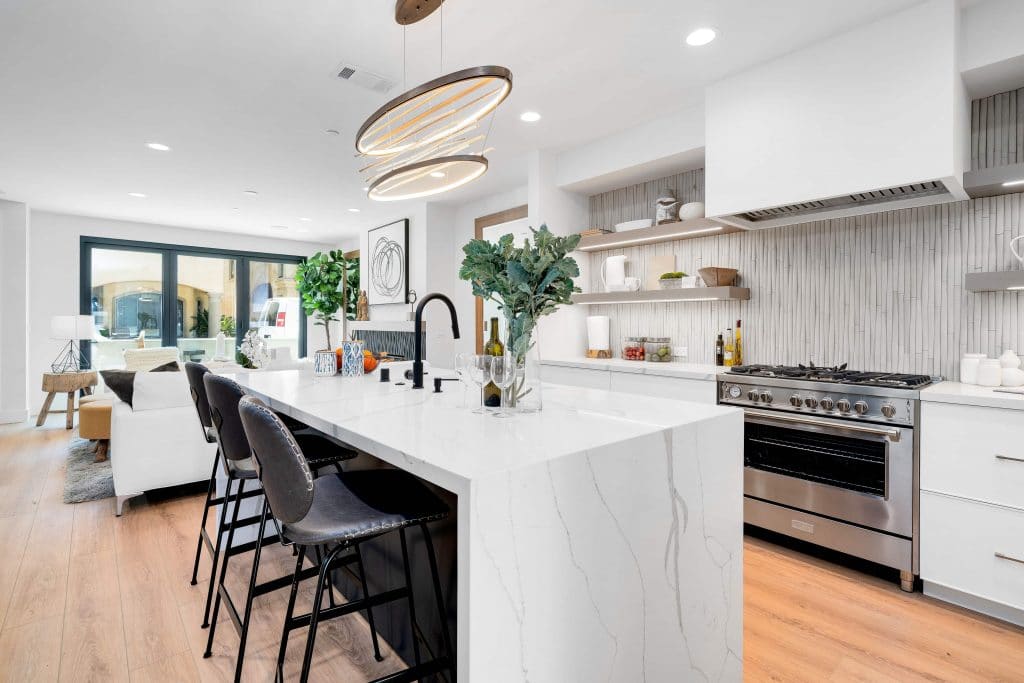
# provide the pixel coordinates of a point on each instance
(121, 382)
(167, 367)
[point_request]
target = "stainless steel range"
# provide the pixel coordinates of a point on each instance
(831, 457)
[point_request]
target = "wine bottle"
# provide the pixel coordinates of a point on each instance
(493, 347)
(719, 352)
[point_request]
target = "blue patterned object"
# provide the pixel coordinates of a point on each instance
(391, 342)
(351, 358)
(325, 363)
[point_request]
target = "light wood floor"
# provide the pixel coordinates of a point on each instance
(85, 596)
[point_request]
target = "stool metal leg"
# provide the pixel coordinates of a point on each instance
(224, 565)
(369, 610)
(210, 492)
(314, 617)
(300, 552)
(438, 597)
(330, 584)
(412, 600)
(216, 552)
(244, 635)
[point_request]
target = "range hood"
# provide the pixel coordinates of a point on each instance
(987, 182)
(870, 120)
(885, 199)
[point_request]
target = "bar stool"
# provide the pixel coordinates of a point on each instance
(342, 511)
(222, 396)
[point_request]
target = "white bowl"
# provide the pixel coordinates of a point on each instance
(691, 210)
(634, 225)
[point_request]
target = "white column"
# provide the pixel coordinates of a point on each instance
(14, 222)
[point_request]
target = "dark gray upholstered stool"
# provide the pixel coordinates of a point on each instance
(340, 512)
(222, 398)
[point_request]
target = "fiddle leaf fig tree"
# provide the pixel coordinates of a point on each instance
(526, 282)
(321, 283)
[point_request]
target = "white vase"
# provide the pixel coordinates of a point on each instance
(990, 373)
(1009, 359)
(1013, 377)
(969, 367)
(524, 394)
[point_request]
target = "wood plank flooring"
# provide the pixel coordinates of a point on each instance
(85, 596)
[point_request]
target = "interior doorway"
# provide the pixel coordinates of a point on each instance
(491, 227)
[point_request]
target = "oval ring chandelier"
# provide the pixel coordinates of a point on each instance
(420, 143)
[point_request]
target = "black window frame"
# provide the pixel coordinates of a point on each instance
(169, 281)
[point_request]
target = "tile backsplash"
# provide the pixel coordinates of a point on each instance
(881, 291)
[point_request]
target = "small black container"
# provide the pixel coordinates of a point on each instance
(385, 374)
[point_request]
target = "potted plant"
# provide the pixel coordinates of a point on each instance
(320, 280)
(527, 283)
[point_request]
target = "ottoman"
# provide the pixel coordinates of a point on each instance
(94, 422)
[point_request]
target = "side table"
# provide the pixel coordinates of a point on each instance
(66, 382)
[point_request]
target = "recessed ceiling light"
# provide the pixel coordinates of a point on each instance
(701, 36)
(1011, 183)
(529, 116)
(366, 189)
(331, 131)
(278, 227)
(304, 219)
(251, 192)
(354, 210)
(235, 208)
(158, 146)
(437, 174)
(136, 194)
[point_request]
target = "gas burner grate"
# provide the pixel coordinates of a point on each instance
(838, 374)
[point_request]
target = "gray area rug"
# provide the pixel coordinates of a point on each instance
(85, 479)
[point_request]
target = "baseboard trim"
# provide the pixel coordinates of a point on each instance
(974, 603)
(8, 417)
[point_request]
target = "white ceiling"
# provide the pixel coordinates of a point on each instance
(243, 90)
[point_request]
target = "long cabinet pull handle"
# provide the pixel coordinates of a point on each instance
(1003, 556)
(1000, 456)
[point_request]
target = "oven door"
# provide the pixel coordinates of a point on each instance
(854, 472)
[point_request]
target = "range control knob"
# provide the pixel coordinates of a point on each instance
(811, 402)
(766, 396)
(827, 403)
(888, 410)
(752, 396)
(796, 401)
(843, 405)
(861, 407)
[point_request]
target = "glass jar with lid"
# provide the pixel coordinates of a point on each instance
(658, 349)
(633, 348)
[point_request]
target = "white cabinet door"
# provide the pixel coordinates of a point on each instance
(576, 377)
(973, 547)
(973, 452)
(700, 391)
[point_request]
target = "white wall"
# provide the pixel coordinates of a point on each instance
(992, 58)
(53, 271)
(417, 215)
(14, 231)
(878, 106)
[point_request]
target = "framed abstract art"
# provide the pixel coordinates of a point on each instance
(388, 264)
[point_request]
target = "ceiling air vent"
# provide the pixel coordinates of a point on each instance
(914, 194)
(357, 75)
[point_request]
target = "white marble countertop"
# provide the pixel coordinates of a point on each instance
(699, 371)
(972, 395)
(438, 439)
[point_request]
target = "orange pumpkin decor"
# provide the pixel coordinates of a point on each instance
(369, 362)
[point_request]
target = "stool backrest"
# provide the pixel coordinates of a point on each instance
(285, 475)
(195, 373)
(224, 395)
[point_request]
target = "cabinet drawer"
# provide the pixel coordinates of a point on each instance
(973, 452)
(658, 386)
(973, 547)
(575, 377)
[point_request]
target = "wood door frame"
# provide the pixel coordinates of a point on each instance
(514, 214)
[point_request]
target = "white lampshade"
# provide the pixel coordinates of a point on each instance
(71, 327)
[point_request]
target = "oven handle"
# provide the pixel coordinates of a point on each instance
(891, 434)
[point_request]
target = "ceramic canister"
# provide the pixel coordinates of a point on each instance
(325, 363)
(990, 373)
(351, 358)
(969, 367)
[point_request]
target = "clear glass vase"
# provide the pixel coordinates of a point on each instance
(524, 394)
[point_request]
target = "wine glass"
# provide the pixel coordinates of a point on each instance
(462, 363)
(478, 369)
(503, 374)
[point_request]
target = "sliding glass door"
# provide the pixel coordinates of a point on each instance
(145, 294)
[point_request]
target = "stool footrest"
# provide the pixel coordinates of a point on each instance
(251, 545)
(349, 607)
(415, 673)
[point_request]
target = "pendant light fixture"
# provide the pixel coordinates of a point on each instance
(421, 143)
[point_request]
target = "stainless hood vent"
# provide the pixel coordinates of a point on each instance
(850, 204)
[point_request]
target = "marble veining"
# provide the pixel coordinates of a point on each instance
(597, 541)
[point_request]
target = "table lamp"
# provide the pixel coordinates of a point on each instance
(70, 327)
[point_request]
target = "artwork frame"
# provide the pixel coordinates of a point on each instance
(387, 265)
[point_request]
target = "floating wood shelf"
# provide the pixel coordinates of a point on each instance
(665, 296)
(1011, 280)
(666, 232)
